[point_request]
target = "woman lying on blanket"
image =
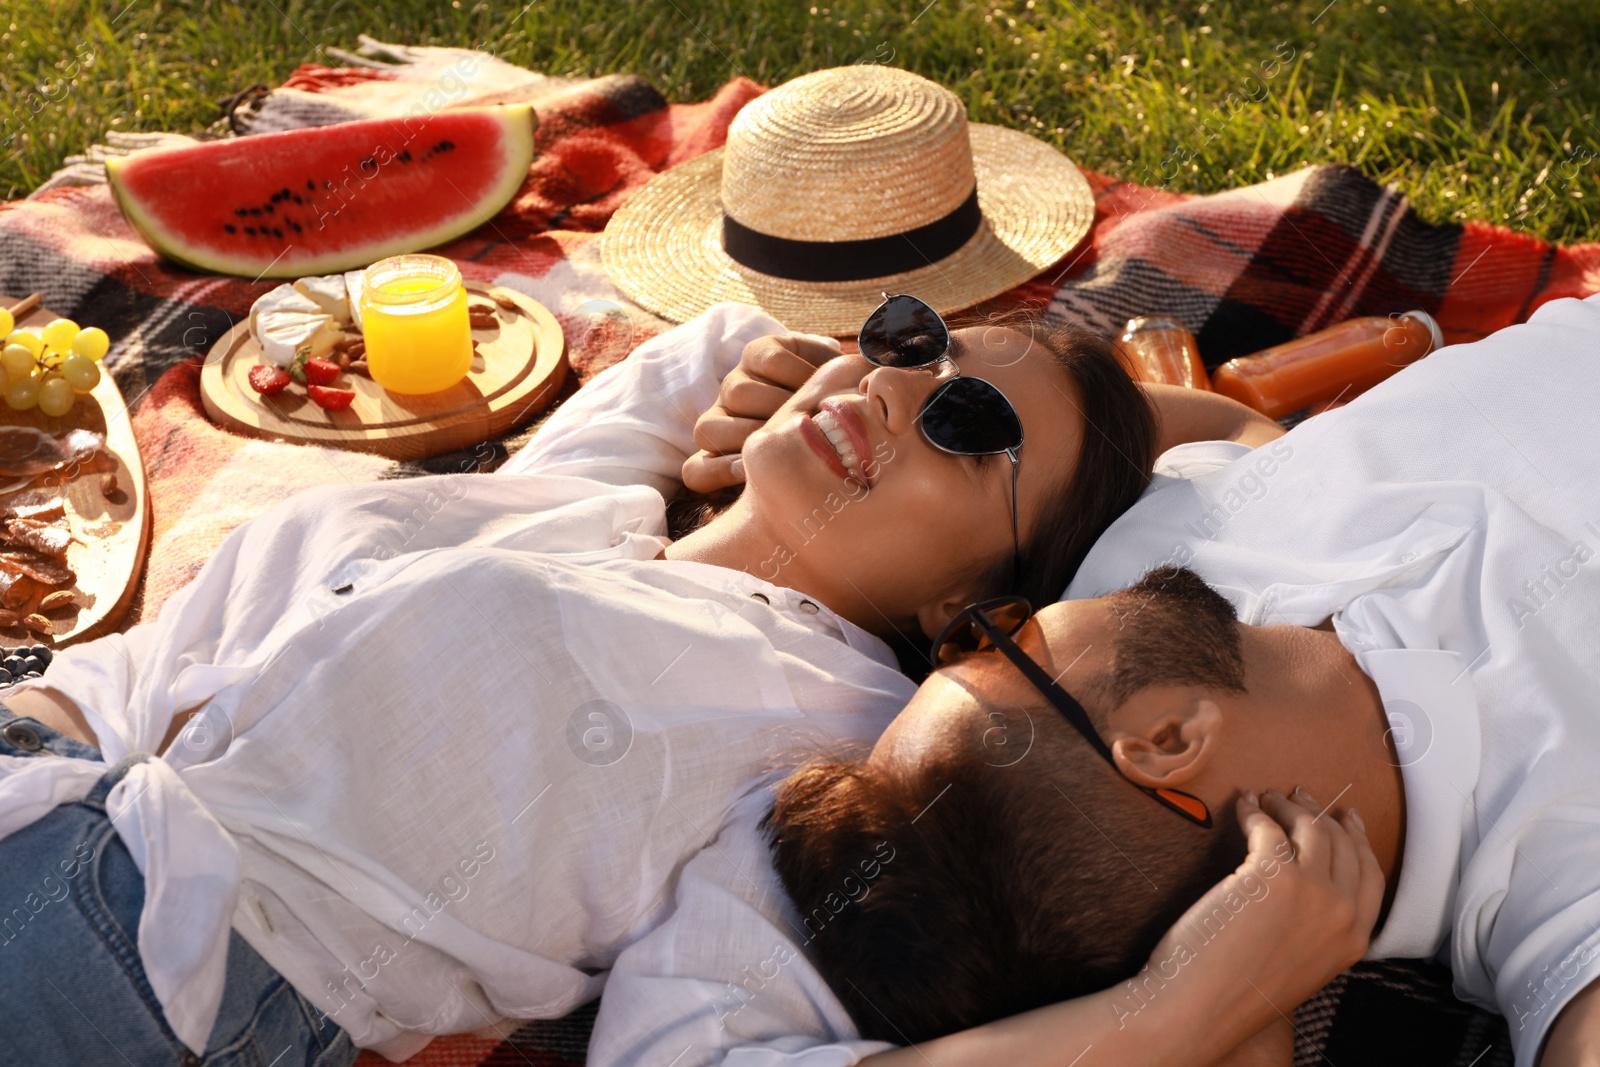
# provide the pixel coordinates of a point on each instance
(408, 758)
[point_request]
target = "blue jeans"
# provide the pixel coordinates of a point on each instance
(71, 984)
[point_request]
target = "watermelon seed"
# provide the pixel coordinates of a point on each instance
(228, 227)
(404, 156)
(269, 209)
(241, 212)
(311, 185)
(295, 226)
(296, 198)
(277, 233)
(256, 212)
(284, 194)
(251, 230)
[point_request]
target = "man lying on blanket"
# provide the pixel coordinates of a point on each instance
(1415, 636)
(1395, 606)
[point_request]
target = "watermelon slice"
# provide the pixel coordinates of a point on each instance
(327, 199)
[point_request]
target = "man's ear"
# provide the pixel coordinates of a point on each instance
(1165, 736)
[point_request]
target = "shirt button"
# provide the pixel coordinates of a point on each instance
(808, 607)
(21, 735)
(761, 597)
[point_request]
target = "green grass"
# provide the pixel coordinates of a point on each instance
(1479, 109)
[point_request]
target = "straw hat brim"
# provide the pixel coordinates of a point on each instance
(663, 248)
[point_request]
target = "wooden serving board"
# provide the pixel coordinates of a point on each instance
(520, 366)
(115, 530)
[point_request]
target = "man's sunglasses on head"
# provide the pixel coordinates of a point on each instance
(990, 624)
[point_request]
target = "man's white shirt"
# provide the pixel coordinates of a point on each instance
(1449, 523)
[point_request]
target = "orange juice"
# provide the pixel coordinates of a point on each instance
(414, 320)
(1163, 350)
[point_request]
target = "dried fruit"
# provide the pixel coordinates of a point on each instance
(332, 399)
(108, 484)
(61, 598)
(38, 624)
(267, 379)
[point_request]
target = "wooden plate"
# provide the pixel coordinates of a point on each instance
(115, 530)
(519, 368)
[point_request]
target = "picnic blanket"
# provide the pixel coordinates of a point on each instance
(1243, 269)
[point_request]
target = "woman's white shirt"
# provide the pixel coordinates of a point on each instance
(461, 734)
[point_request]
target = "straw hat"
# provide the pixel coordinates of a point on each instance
(837, 186)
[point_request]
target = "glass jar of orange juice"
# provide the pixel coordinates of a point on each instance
(414, 320)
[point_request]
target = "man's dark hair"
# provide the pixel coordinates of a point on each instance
(1010, 883)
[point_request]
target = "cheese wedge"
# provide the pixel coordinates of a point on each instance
(352, 286)
(287, 334)
(284, 298)
(328, 293)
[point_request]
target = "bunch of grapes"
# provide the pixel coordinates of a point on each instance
(49, 366)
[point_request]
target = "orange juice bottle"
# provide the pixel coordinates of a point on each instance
(1335, 364)
(414, 320)
(1163, 350)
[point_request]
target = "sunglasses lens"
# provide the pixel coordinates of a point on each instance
(966, 634)
(904, 332)
(971, 417)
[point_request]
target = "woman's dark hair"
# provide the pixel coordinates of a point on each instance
(1113, 467)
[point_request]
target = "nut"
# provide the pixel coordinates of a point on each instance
(357, 350)
(342, 358)
(9, 618)
(61, 598)
(108, 484)
(483, 321)
(503, 298)
(359, 366)
(38, 624)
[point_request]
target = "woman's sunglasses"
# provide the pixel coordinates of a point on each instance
(990, 624)
(963, 416)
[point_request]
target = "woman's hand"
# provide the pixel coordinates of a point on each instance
(1298, 911)
(770, 370)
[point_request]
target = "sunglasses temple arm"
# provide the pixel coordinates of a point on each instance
(1189, 806)
(1063, 701)
(1016, 536)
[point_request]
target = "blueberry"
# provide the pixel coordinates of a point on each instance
(12, 664)
(32, 663)
(44, 654)
(32, 674)
(5, 676)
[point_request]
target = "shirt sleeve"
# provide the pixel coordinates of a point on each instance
(633, 424)
(725, 979)
(1533, 945)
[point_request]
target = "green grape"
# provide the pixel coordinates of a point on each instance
(91, 342)
(58, 334)
(7, 323)
(80, 372)
(23, 393)
(56, 396)
(17, 360)
(5, 379)
(28, 338)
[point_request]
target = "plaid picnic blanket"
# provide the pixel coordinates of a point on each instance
(1243, 269)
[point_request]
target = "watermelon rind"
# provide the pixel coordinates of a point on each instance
(518, 122)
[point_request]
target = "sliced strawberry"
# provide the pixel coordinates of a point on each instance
(320, 371)
(267, 379)
(332, 399)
